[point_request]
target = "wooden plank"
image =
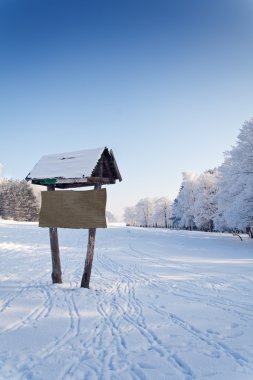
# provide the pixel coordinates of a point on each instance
(78, 185)
(100, 180)
(55, 252)
(73, 182)
(44, 181)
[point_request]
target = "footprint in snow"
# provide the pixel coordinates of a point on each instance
(213, 332)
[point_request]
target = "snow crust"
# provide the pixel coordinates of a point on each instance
(77, 164)
(162, 305)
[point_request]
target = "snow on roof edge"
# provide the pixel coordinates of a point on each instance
(74, 164)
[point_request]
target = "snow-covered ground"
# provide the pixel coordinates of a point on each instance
(163, 304)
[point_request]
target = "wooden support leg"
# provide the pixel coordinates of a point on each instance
(55, 254)
(89, 258)
(90, 253)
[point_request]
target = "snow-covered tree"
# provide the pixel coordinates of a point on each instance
(235, 196)
(195, 205)
(110, 217)
(130, 216)
(221, 198)
(7, 191)
(17, 201)
(149, 212)
(205, 204)
(183, 207)
(162, 212)
(144, 212)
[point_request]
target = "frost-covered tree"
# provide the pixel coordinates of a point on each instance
(162, 212)
(149, 212)
(18, 201)
(183, 207)
(130, 216)
(7, 196)
(205, 203)
(144, 212)
(27, 205)
(1, 200)
(140, 214)
(195, 205)
(235, 195)
(222, 200)
(110, 217)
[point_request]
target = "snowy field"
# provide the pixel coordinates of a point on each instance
(163, 304)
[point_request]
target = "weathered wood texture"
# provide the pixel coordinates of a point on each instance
(85, 283)
(73, 209)
(55, 252)
(89, 258)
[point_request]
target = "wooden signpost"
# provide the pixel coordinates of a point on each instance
(93, 167)
(89, 255)
(55, 252)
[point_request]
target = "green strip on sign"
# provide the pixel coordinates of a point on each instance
(46, 181)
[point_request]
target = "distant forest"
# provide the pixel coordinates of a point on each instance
(18, 201)
(219, 199)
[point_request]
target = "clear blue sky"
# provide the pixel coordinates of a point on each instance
(165, 84)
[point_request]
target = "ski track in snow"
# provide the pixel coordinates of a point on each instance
(150, 313)
(134, 315)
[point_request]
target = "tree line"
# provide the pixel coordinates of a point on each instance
(156, 212)
(219, 199)
(18, 201)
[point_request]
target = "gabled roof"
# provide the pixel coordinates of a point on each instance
(79, 168)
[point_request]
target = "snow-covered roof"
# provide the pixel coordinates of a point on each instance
(78, 165)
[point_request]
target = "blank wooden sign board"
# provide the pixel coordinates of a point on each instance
(74, 209)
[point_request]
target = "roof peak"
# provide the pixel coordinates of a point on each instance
(77, 167)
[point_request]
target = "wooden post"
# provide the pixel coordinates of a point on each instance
(55, 253)
(90, 253)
